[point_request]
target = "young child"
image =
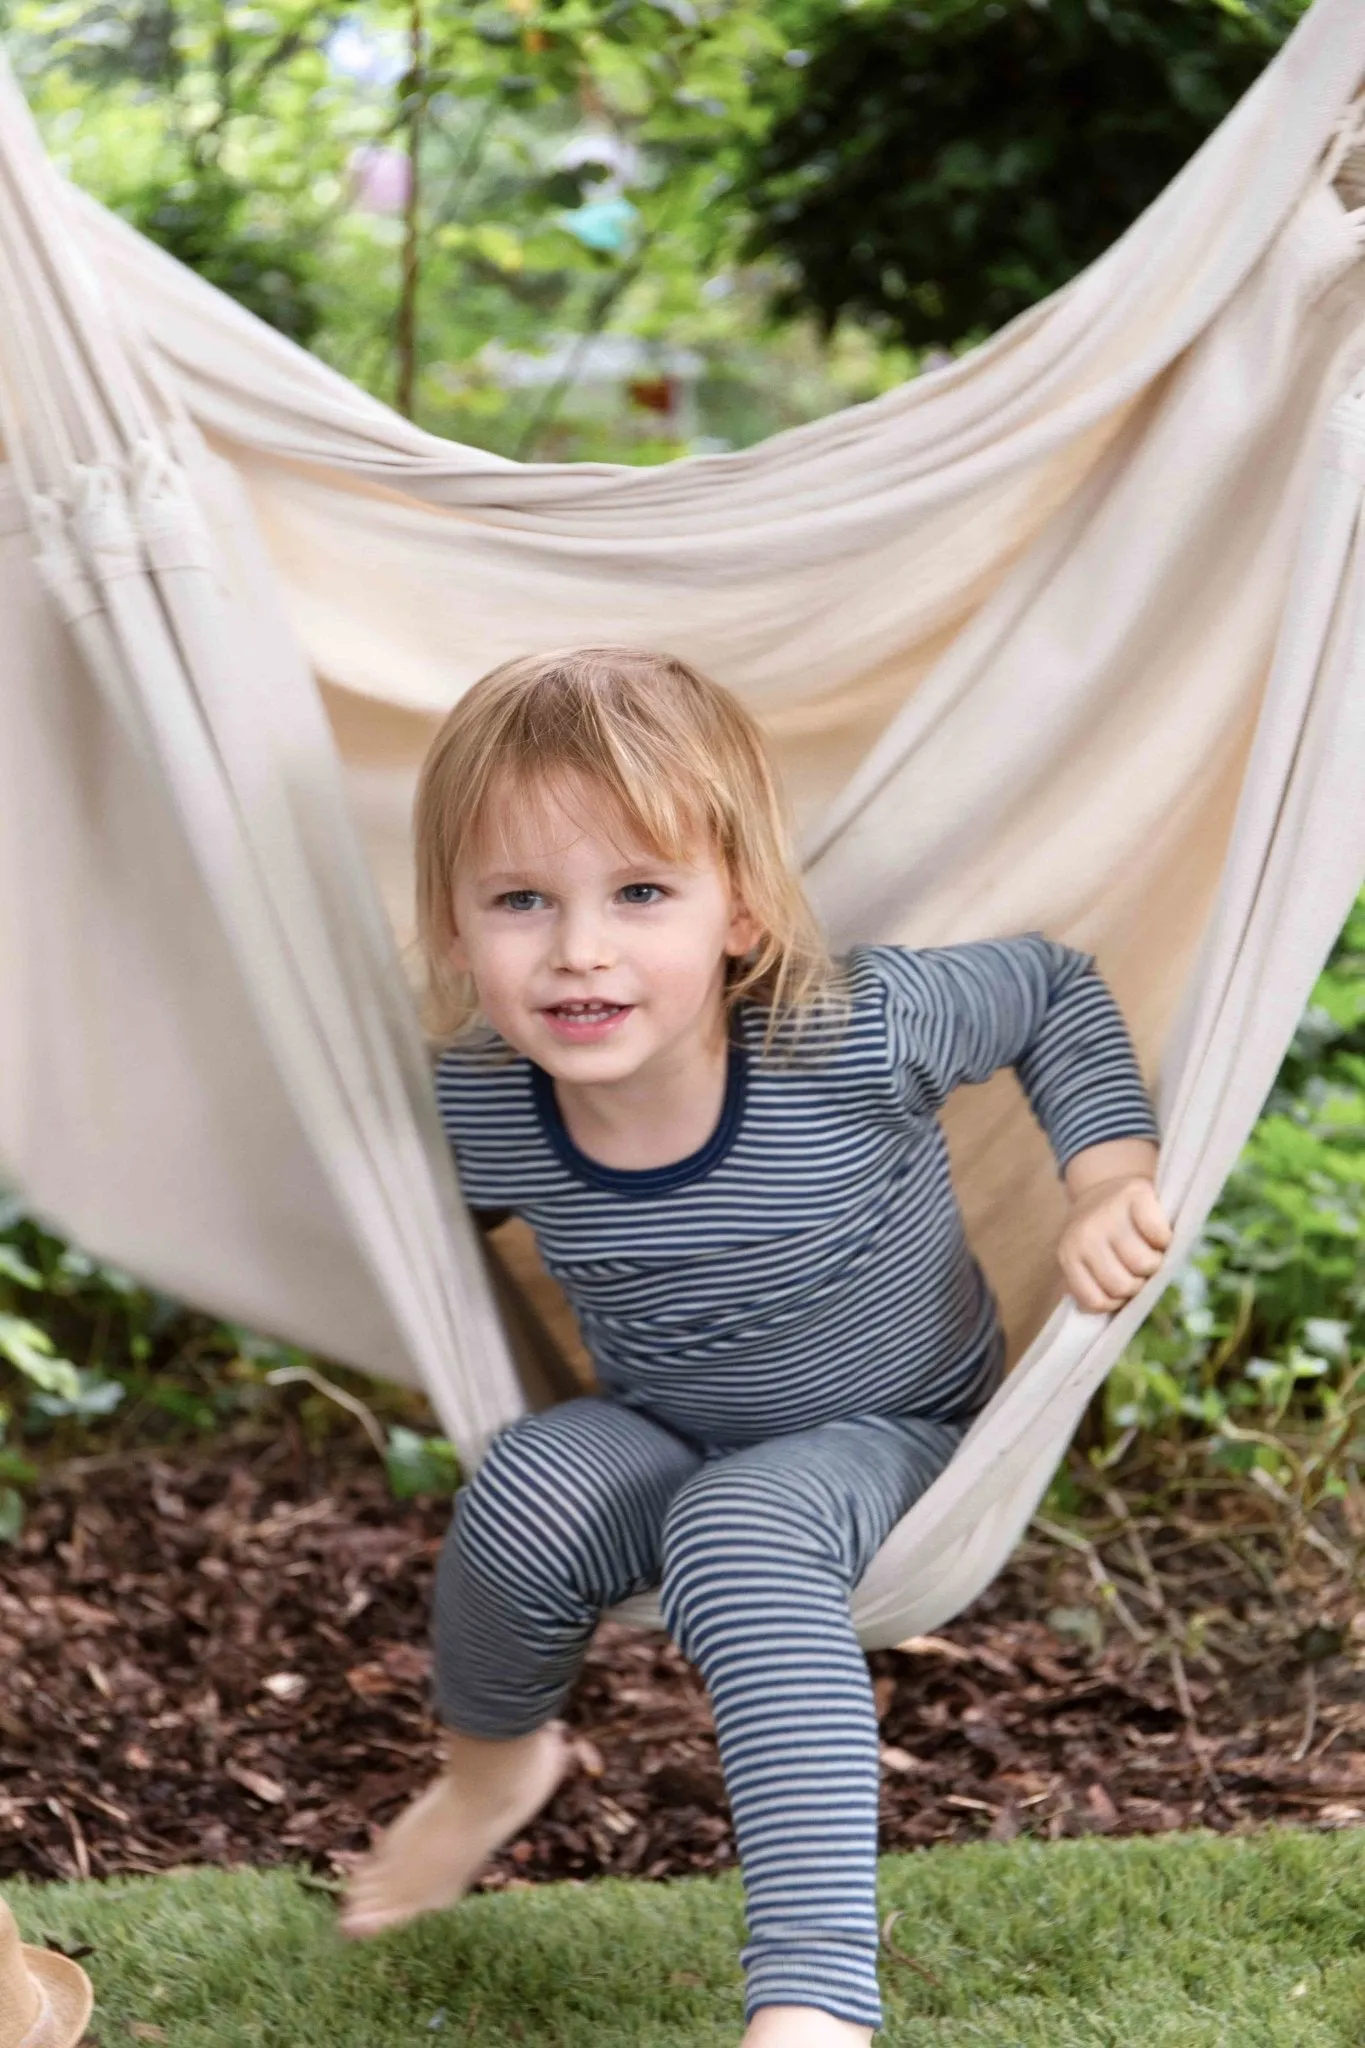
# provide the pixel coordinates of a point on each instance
(728, 1149)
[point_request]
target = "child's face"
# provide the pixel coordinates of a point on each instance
(590, 955)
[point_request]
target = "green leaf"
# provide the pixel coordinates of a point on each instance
(184, 1405)
(1329, 1335)
(31, 1351)
(497, 245)
(420, 1464)
(13, 1266)
(11, 1514)
(92, 1396)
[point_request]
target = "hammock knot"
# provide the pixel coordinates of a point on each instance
(59, 562)
(102, 522)
(173, 529)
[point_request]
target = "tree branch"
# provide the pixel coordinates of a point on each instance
(405, 326)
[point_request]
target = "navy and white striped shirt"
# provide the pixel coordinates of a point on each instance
(809, 1261)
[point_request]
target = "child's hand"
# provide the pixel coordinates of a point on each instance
(1113, 1241)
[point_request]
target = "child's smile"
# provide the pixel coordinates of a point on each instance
(585, 1023)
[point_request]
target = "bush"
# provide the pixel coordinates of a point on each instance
(205, 220)
(157, 1373)
(1265, 1327)
(936, 168)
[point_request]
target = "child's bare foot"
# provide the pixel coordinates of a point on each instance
(802, 2026)
(437, 1847)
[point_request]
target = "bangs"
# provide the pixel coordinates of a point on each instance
(623, 749)
(665, 823)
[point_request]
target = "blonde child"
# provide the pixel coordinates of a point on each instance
(728, 1149)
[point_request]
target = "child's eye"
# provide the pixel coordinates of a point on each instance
(642, 892)
(519, 899)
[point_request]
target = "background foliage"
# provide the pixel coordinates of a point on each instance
(936, 168)
(575, 165)
(800, 194)
(767, 210)
(1264, 1333)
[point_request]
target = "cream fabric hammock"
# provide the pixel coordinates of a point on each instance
(1066, 635)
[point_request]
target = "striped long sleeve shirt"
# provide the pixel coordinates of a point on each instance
(809, 1261)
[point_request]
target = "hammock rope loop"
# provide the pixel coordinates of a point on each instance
(174, 532)
(59, 559)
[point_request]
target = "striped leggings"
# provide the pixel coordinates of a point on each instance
(756, 1552)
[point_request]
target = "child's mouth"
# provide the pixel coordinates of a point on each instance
(584, 1022)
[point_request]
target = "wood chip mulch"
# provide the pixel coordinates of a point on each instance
(225, 1661)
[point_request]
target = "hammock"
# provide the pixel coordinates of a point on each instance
(1064, 635)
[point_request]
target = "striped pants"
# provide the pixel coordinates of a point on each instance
(756, 1552)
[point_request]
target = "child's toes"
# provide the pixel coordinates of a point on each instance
(369, 1904)
(360, 1922)
(361, 1914)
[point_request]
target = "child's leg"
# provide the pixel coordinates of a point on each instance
(564, 1517)
(761, 1551)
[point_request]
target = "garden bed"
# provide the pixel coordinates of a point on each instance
(224, 1660)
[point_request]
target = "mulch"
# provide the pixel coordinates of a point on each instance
(224, 1660)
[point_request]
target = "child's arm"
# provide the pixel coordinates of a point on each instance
(957, 1013)
(1082, 1078)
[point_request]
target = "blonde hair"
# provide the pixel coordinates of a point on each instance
(678, 759)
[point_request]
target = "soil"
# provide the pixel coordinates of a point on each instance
(223, 1659)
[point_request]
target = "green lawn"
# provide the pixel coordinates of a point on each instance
(1185, 1942)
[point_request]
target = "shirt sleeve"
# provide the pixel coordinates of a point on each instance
(956, 1014)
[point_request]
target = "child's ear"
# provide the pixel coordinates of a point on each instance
(459, 958)
(744, 933)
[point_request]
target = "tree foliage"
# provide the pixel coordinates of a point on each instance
(941, 165)
(575, 166)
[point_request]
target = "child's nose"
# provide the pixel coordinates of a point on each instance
(582, 941)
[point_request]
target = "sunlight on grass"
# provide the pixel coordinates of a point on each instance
(1185, 1942)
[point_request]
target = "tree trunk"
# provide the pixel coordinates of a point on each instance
(405, 327)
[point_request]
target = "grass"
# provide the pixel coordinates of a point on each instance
(1183, 1942)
